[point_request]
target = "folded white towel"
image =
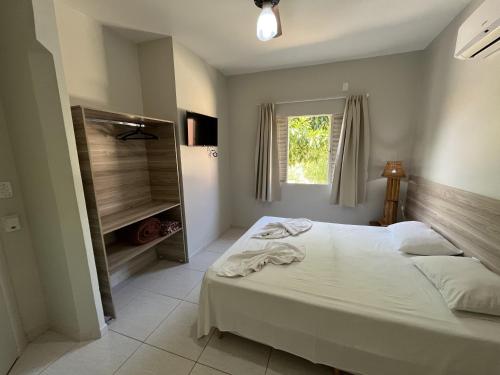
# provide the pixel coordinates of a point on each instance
(282, 229)
(249, 261)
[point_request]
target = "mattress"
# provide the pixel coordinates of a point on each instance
(353, 303)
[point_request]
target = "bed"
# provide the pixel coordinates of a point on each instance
(354, 303)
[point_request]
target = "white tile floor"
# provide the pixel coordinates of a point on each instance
(155, 333)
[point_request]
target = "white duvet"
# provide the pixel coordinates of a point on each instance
(354, 303)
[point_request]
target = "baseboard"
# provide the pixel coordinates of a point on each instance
(218, 236)
(190, 255)
(34, 333)
(243, 227)
(104, 330)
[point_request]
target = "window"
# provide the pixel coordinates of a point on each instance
(308, 147)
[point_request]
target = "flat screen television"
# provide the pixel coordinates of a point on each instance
(201, 130)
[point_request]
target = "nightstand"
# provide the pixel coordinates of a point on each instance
(377, 223)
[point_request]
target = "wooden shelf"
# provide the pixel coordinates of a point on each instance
(122, 252)
(132, 215)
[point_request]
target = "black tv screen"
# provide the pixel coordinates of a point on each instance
(201, 130)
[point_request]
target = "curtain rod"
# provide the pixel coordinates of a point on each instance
(315, 100)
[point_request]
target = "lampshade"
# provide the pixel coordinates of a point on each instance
(394, 169)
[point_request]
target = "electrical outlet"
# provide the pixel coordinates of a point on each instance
(11, 223)
(5, 190)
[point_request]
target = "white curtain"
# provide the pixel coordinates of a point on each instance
(351, 164)
(267, 184)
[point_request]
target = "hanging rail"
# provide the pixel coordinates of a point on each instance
(114, 122)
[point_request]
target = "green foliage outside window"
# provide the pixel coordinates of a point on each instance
(308, 149)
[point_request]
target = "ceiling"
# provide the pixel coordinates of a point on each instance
(315, 31)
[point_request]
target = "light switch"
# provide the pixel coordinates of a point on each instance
(11, 223)
(5, 190)
(345, 86)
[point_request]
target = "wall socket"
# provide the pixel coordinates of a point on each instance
(5, 190)
(11, 223)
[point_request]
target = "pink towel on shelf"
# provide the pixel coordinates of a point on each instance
(145, 231)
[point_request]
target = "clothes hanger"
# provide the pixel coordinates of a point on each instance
(136, 134)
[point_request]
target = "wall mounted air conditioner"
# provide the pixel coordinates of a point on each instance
(479, 35)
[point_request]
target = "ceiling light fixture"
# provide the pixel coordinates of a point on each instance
(268, 23)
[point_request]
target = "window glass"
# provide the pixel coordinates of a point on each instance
(308, 149)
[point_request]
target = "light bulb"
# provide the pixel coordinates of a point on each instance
(267, 25)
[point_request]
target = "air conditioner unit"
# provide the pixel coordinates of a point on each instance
(479, 35)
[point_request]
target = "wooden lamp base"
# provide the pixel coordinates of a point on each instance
(391, 203)
(394, 171)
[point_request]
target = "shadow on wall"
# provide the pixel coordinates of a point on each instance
(123, 77)
(102, 69)
(92, 103)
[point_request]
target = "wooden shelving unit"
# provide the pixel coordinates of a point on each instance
(126, 182)
(121, 252)
(132, 215)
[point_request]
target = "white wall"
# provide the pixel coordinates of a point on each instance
(458, 139)
(39, 125)
(156, 61)
(203, 89)
(174, 79)
(21, 264)
(57, 126)
(393, 85)
(101, 67)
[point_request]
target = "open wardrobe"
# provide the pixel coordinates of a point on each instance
(131, 176)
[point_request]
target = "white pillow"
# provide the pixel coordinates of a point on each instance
(414, 237)
(464, 283)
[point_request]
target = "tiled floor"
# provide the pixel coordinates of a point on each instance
(155, 333)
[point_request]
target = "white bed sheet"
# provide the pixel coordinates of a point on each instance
(353, 303)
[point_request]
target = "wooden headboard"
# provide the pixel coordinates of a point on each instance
(470, 221)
